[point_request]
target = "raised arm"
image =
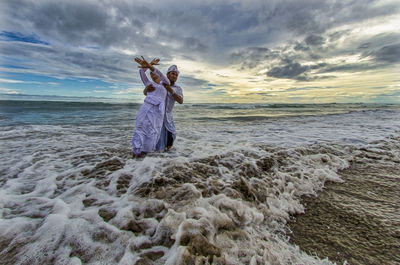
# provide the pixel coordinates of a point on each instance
(143, 76)
(144, 65)
(163, 78)
(149, 86)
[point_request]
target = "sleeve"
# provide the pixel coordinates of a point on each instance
(143, 76)
(163, 78)
(178, 90)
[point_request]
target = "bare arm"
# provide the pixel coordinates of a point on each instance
(177, 97)
(149, 88)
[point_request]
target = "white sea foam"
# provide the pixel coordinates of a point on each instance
(72, 195)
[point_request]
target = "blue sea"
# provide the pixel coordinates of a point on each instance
(228, 192)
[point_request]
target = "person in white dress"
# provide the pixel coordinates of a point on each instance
(150, 117)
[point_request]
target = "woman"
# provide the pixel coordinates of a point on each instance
(150, 117)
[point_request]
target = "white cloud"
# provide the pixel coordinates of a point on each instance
(11, 81)
(8, 91)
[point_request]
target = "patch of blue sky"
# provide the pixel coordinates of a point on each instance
(43, 85)
(28, 77)
(11, 66)
(8, 60)
(18, 36)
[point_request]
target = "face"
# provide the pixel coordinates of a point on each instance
(172, 76)
(155, 78)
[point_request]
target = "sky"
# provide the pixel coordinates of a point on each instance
(304, 51)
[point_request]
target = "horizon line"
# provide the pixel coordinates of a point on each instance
(121, 100)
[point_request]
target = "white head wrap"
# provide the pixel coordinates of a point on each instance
(173, 68)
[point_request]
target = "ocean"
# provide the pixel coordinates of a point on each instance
(243, 184)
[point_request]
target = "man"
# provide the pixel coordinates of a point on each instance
(168, 132)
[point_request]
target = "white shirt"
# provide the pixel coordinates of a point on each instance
(169, 105)
(169, 101)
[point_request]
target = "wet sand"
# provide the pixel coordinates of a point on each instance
(357, 221)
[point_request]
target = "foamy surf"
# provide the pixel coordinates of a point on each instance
(72, 195)
(226, 209)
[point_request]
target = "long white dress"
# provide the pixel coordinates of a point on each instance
(150, 117)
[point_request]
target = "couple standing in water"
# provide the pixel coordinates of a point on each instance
(155, 129)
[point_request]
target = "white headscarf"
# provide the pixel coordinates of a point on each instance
(173, 68)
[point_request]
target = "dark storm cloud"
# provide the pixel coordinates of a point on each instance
(251, 57)
(316, 16)
(351, 67)
(299, 46)
(306, 60)
(296, 71)
(253, 53)
(72, 25)
(281, 58)
(290, 70)
(242, 34)
(314, 40)
(64, 21)
(313, 19)
(389, 53)
(379, 41)
(71, 63)
(88, 23)
(195, 44)
(195, 27)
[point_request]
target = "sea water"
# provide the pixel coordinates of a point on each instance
(226, 193)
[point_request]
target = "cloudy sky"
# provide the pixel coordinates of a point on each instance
(303, 51)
